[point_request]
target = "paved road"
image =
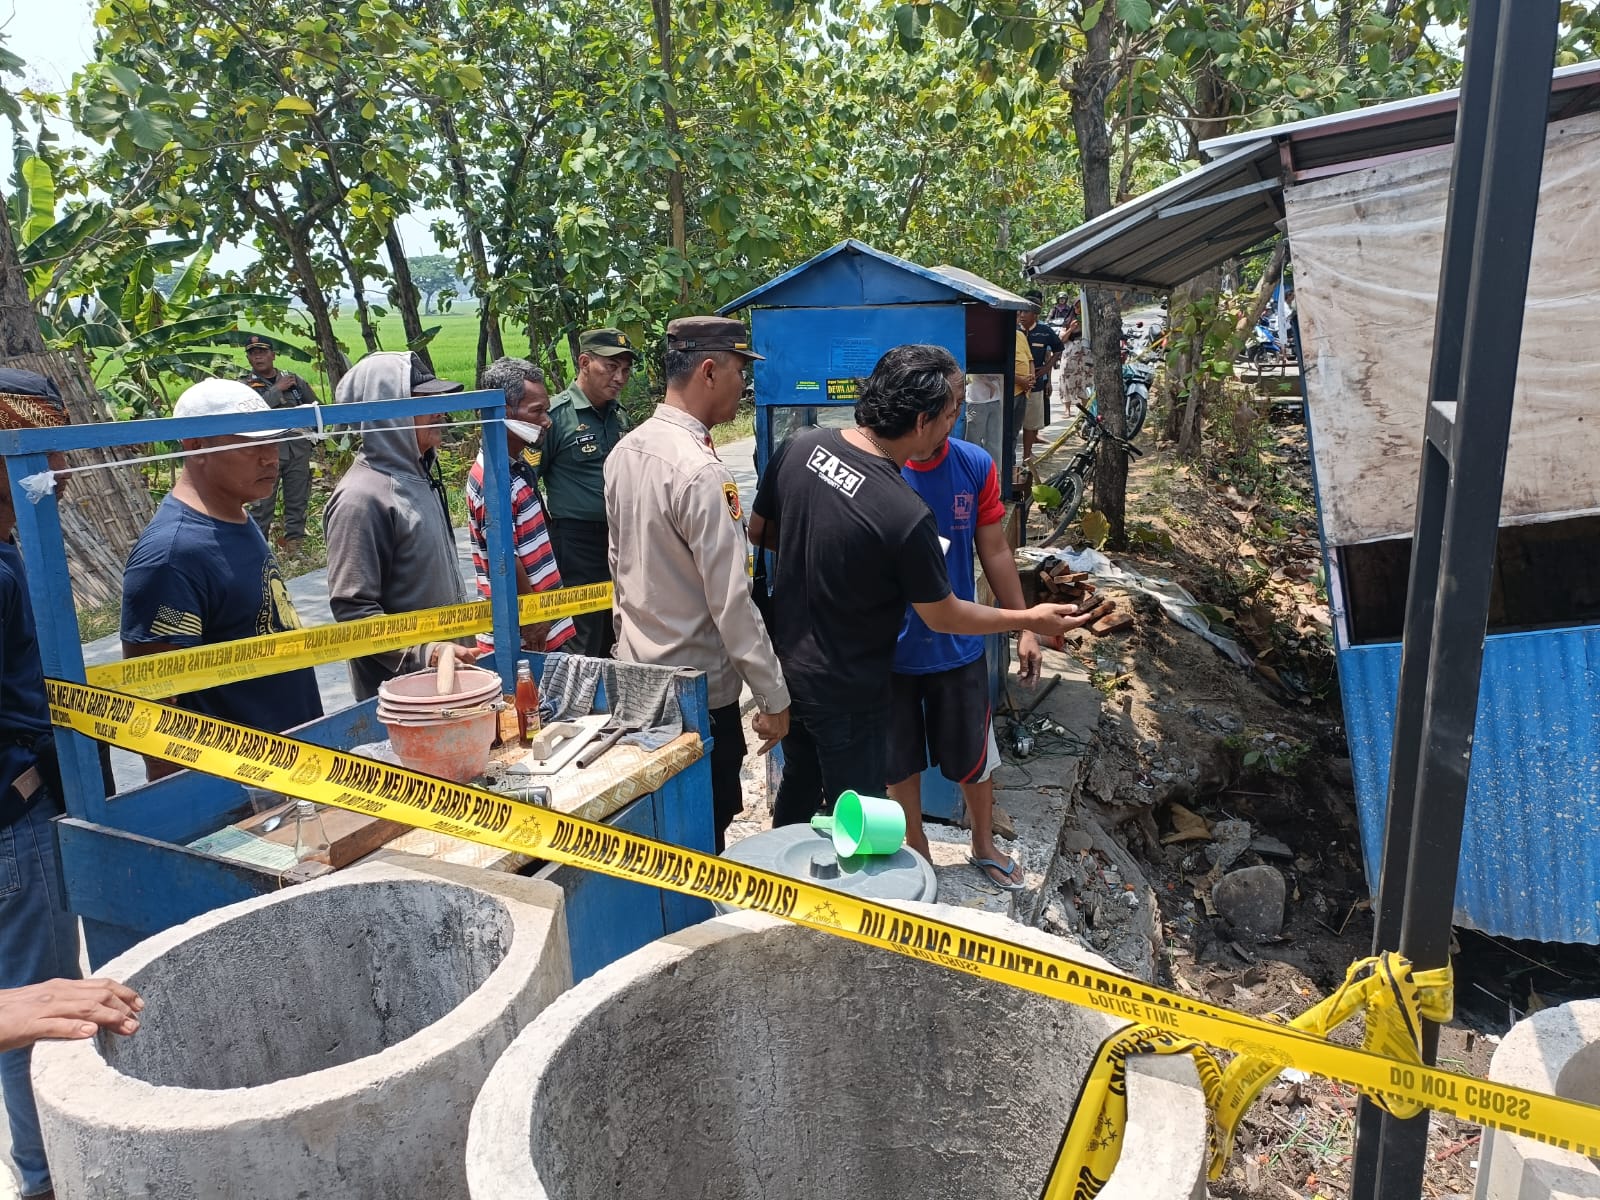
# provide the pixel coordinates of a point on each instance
(740, 459)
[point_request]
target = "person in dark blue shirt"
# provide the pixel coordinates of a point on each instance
(38, 935)
(1046, 346)
(201, 572)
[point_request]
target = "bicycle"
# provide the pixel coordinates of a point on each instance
(1070, 482)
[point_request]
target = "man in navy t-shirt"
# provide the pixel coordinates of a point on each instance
(939, 708)
(201, 571)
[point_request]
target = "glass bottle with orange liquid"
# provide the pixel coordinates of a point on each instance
(527, 704)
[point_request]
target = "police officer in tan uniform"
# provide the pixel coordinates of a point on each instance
(679, 553)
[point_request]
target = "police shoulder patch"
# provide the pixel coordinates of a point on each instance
(730, 493)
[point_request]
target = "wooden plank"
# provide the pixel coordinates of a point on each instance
(178, 808)
(350, 835)
(683, 816)
(185, 805)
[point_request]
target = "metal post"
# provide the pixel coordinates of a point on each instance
(55, 617)
(1455, 274)
(1466, 436)
(501, 539)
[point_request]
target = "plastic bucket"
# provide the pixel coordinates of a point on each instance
(421, 688)
(867, 825)
(456, 749)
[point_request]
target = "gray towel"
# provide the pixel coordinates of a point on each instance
(638, 694)
(567, 685)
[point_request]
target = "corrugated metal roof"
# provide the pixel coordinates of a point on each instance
(1321, 145)
(1528, 867)
(1176, 231)
(1167, 236)
(979, 287)
(853, 274)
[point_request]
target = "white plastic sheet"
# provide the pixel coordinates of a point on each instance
(1367, 247)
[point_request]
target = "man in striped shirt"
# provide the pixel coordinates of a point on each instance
(527, 417)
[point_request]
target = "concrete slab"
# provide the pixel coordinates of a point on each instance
(1036, 793)
(749, 1058)
(327, 1040)
(1555, 1051)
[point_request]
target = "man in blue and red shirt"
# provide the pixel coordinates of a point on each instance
(939, 708)
(527, 418)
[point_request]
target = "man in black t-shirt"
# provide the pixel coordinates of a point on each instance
(855, 545)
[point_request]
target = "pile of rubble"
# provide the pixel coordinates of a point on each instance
(1058, 582)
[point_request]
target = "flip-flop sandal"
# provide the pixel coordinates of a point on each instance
(983, 866)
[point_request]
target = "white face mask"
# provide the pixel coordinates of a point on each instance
(528, 433)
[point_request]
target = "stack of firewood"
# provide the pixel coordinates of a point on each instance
(1062, 585)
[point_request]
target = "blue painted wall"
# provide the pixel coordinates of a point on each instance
(1528, 866)
(808, 348)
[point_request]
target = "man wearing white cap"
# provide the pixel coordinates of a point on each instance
(202, 572)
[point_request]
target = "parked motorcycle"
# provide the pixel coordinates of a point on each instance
(1136, 380)
(1265, 348)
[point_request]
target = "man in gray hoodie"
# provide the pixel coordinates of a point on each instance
(390, 545)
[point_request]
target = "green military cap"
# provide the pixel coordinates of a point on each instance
(608, 343)
(710, 333)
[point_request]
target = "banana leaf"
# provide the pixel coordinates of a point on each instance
(40, 186)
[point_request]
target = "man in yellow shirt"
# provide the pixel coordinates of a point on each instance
(1021, 385)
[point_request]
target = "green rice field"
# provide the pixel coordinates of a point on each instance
(454, 348)
(454, 351)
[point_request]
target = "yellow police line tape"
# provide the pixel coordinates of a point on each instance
(158, 676)
(306, 771)
(1393, 997)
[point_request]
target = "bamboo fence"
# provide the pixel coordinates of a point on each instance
(104, 511)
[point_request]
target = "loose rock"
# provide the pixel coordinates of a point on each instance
(1251, 899)
(1230, 839)
(1075, 839)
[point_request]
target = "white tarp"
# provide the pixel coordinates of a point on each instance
(1366, 251)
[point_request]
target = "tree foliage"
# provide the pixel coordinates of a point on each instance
(625, 164)
(433, 274)
(582, 166)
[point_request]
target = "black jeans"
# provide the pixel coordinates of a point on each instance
(581, 555)
(828, 752)
(727, 759)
